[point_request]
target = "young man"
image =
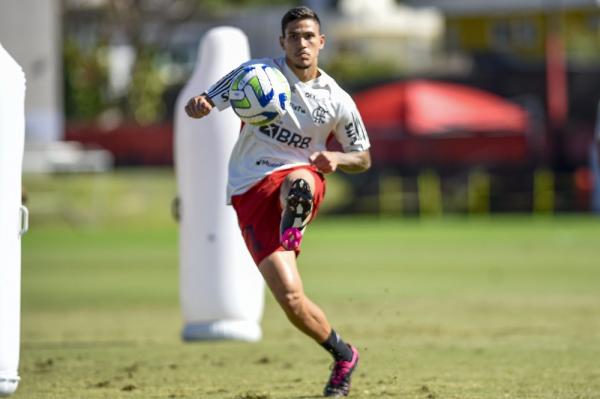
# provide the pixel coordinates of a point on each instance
(276, 184)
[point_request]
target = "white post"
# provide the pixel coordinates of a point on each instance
(13, 216)
(222, 292)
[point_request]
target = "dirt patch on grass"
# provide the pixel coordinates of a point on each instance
(253, 395)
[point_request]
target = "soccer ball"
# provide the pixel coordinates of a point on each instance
(259, 94)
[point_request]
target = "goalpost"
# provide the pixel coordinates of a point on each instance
(221, 290)
(13, 217)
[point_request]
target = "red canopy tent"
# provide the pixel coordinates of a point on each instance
(416, 122)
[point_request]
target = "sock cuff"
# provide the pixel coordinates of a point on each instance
(337, 347)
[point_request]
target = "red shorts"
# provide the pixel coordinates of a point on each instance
(259, 212)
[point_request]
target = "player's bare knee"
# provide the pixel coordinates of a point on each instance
(301, 174)
(291, 178)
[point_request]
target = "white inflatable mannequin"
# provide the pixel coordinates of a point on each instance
(13, 217)
(221, 291)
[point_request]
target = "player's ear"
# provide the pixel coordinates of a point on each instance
(281, 38)
(322, 38)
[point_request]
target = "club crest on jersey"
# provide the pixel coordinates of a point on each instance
(285, 136)
(319, 114)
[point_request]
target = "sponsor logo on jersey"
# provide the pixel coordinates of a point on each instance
(310, 95)
(285, 136)
(351, 132)
(298, 108)
(319, 115)
(269, 163)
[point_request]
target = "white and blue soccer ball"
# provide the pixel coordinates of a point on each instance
(259, 94)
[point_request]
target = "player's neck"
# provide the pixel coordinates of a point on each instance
(305, 74)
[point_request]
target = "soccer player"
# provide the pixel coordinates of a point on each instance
(276, 176)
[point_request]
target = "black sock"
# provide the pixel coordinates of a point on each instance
(338, 348)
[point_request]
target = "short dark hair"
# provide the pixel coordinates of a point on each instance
(298, 13)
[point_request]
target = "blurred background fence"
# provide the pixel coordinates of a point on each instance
(471, 107)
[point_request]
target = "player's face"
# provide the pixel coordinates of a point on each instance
(302, 42)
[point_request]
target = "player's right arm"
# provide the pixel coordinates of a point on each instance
(199, 106)
(216, 96)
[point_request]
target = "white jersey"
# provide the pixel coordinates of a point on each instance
(321, 108)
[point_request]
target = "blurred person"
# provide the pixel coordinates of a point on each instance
(276, 185)
(595, 164)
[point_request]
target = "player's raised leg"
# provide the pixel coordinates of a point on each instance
(296, 198)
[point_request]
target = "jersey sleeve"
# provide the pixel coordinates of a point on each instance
(219, 92)
(350, 130)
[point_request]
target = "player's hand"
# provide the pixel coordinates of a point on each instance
(198, 107)
(324, 161)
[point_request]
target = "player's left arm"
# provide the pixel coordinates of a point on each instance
(350, 132)
(349, 162)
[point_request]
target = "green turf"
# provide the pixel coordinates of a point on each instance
(456, 308)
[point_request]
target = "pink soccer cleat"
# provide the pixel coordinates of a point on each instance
(339, 381)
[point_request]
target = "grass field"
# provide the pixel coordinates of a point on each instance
(455, 308)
